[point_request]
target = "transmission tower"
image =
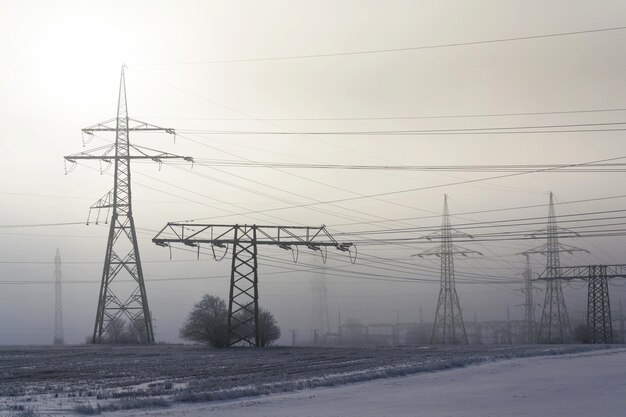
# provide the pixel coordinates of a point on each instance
(448, 326)
(478, 331)
(529, 303)
(555, 325)
(319, 318)
(243, 302)
(58, 301)
(598, 305)
(118, 304)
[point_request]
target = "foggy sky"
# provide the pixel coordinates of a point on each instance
(59, 73)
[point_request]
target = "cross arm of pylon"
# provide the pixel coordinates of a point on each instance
(571, 249)
(106, 153)
(543, 233)
(282, 236)
(157, 155)
(134, 125)
(453, 234)
(543, 250)
(438, 251)
(429, 252)
(459, 250)
(583, 272)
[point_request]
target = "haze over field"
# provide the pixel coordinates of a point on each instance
(272, 83)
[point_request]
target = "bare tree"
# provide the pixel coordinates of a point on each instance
(207, 322)
(269, 331)
(121, 331)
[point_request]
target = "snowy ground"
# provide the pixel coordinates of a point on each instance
(165, 380)
(575, 385)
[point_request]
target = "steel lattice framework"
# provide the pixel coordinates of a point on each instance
(320, 319)
(529, 304)
(58, 301)
(122, 251)
(554, 326)
(243, 303)
(598, 303)
(448, 326)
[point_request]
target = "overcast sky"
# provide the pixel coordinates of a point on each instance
(59, 72)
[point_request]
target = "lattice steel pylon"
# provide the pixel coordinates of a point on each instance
(599, 306)
(530, 335)
(122, 251)
(243, 305)
(554, 326)
(599, 322)
(448, 327)
(58, 301)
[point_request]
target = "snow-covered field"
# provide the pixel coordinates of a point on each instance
(177, 380)
(575, 385)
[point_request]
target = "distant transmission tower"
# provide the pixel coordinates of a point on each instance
(529, 304)
(58, 304)
(319, 318)
(122, 251)
(448, 326)
(555, 325)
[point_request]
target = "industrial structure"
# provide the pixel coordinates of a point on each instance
(58, 301)
(320, 320)
(122, 306)
(448, 326)
(243, 301)
(554, 326)
(529, 303)
(599, 324)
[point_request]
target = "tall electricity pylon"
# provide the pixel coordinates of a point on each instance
(122, 252)
(555, 325)
(319, 318)
(58, 301)
(448, 326)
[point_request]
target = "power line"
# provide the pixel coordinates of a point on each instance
(525, 221)
(587, 200)
(393, 50)
(609, 167)
(574, 127)
(456, 183)
(361, 118)
(18, 226)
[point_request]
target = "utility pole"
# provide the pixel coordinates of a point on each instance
(243, 304)
(122, 251)
(58, 304)
(555, 325)
(448, 326)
